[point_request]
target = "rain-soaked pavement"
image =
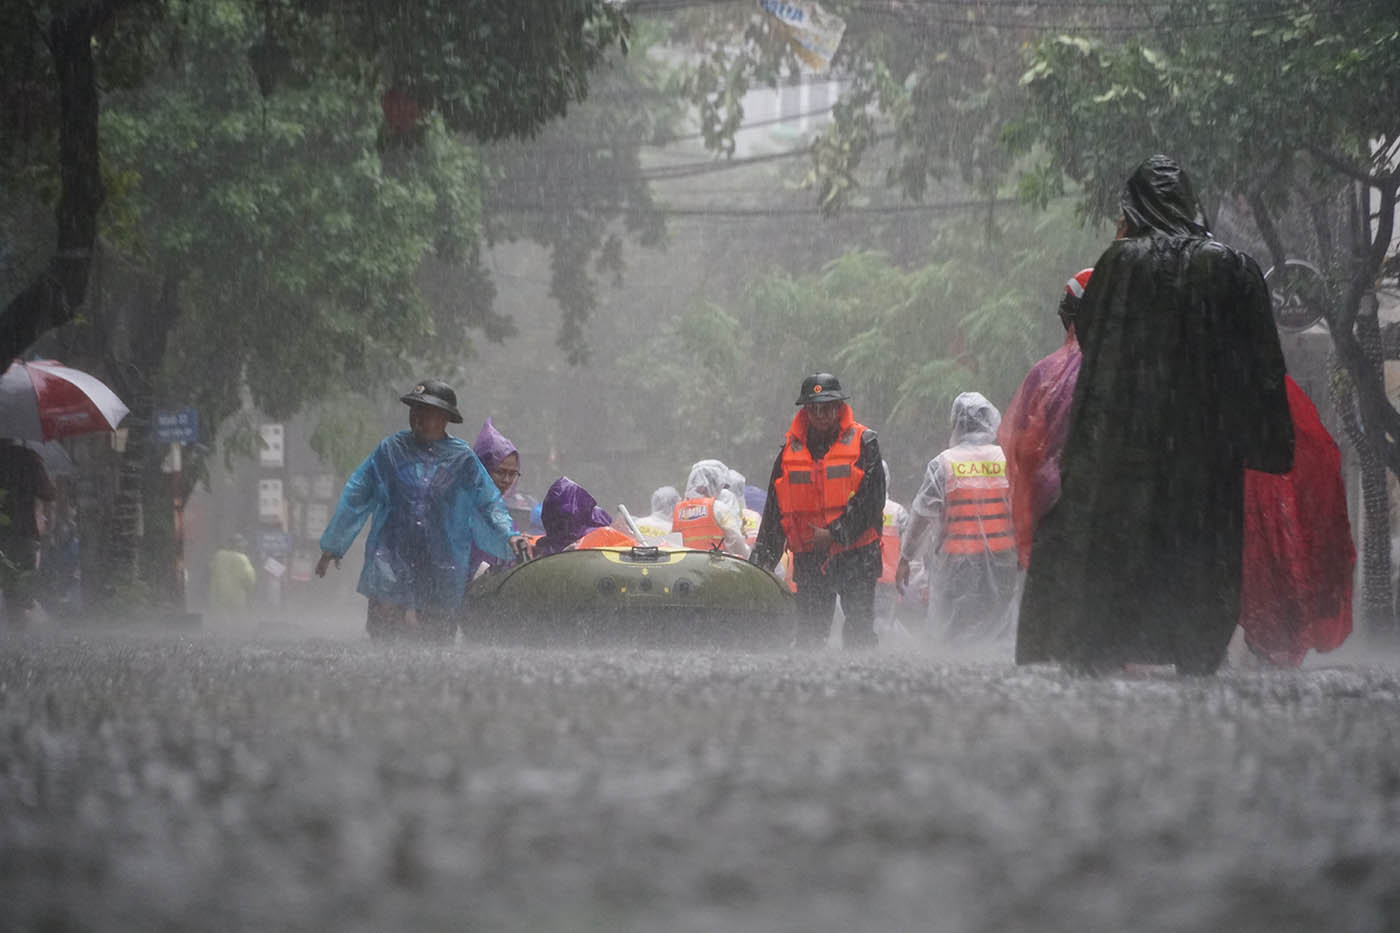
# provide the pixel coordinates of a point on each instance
(180, 780)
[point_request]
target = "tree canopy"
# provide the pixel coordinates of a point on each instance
(488, 69)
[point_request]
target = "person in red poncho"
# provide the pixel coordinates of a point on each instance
(1033, 431)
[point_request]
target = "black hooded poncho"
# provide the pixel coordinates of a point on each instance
(1181, 388)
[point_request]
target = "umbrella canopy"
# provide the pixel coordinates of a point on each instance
(56, 459)
(41, 400)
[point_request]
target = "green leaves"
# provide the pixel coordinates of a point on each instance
(296, 239)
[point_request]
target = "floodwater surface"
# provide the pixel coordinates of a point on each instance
(185, 781)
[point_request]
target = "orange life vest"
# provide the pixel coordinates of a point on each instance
(978, 502)
(889, 547)
(605, 536)
(695, 520)
(814, 493)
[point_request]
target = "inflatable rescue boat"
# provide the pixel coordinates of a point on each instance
(641, 596)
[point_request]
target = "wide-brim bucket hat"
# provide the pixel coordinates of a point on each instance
(436, 394)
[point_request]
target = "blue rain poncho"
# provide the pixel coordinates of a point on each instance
(430, 502)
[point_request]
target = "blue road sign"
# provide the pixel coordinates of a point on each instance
(274, 543)
(180, 426)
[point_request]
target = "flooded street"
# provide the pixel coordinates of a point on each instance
(186, 781)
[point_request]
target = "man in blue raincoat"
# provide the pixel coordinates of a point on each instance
(429, 500)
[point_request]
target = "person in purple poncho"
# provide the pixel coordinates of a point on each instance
(567, 513)
(502, 462)
(499, 456)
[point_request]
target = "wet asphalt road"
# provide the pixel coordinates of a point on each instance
(185, 781)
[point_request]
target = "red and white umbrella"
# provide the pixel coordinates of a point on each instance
(41, 400)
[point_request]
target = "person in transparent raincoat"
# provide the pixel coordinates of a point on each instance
(962, 512)
(428, 500)
(711, 514)
(657, 525)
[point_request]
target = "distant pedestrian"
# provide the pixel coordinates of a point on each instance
(231, 576)
(25, 488)
(1180, 389)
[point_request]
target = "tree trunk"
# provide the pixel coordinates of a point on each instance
(53, 297)
(1377, 588)
(139, 561)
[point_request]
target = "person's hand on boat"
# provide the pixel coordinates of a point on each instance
(901, 575)
(520, 547)
(325, 561)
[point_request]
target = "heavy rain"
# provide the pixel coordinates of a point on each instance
(699, 465)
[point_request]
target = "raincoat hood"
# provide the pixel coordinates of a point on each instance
(755, 498)
(1158, 199)
(975, 420)
(708, 478)
(491, 446)
(567, 513)
(663, 501)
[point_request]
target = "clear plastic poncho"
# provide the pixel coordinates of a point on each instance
(657, 525)
(970, 594)
(711, 479)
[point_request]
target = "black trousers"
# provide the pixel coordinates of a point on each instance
(820, 579)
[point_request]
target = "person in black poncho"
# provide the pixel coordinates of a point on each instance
(1181, 389)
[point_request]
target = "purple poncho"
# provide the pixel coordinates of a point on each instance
(567, 513)
(491, 447)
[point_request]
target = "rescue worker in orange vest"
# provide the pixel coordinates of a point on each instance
(710, 515)
(963, 511)
(826, 499)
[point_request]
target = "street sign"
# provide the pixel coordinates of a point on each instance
(177, 426)
(273, 543)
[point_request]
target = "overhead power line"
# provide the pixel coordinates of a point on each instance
(738, 212)
(935, 13)
(710, 166)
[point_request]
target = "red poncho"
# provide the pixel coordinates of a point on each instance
(1032, 434)
(1298, 554)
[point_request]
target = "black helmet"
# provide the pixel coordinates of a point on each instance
(436, 393)
(821, 387)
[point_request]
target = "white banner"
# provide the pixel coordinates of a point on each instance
(813, 33)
